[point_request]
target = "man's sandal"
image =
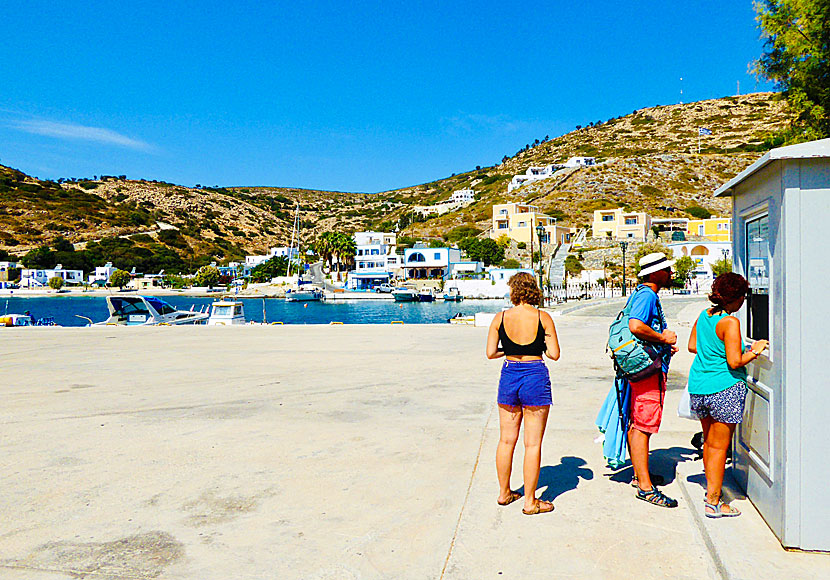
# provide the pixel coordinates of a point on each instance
(514, 495)
(656, 497)
(718, 510)
(538, 508)
(656, 479)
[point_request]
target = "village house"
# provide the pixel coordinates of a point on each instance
(716, 229)
(619, 224)
(376, 260)
(422, 262)
(518, 222)
(39, 277)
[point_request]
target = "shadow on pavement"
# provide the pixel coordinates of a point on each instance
(558, 479)
(661, 461)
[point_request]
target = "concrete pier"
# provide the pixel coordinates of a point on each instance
(331, 452)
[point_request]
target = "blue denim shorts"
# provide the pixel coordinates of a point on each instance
(525, 384)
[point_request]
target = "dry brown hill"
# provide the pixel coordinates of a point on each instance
(648, 161)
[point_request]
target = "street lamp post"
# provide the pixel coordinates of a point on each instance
(540, 230)
(624, 246)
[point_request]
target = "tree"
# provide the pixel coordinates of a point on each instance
(324, 247)
(698, 212)
(655, 230)
(119, 278)
(56, 283)
(344, 248)
(486, 250)
(41, 257)
(61, 244)
(206, 276)
(510, 264)
(797, 59)
(276, 266)
(460, 232)
(503, 241)
(573, 266)
(683, 269)
(721, 266)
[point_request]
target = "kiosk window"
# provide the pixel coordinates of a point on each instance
(758, 275)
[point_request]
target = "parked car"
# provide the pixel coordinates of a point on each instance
(386, 288)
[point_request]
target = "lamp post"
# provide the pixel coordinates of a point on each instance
(624, 246)
(540, 230)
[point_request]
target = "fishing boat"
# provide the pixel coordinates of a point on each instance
(404, 294)
(14, 320)
(426, 295)
(148, 311)
(452, 295)
(226, 313)
(300, 294)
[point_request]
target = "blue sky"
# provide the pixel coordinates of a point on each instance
(348, 96)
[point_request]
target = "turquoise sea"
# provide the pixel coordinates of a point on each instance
(65, 308)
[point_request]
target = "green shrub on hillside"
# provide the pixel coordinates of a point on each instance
(698, 212)
(649, 190)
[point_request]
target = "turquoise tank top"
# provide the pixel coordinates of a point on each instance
(710, 373)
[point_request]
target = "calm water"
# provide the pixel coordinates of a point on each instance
(64, 309)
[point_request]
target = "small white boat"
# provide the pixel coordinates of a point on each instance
(226, 313)
(404, 294)
(452, 295)
(15, 320)
(304, 295)
(460, 318)
(148, 311)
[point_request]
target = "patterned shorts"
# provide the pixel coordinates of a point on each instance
(726, 406)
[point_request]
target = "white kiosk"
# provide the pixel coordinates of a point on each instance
(781, 216)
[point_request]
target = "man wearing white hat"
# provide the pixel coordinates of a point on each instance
(646, 322)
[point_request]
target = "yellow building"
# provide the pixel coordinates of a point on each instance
(518, 221)
(715, 229)
(619, 224)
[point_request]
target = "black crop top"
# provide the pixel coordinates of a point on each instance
(510, 348)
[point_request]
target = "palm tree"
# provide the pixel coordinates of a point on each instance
(324, 246)
(346, 249)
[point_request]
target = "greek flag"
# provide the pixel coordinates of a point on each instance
(704, 131)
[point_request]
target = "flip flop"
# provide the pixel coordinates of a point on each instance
(514, 495)
(538, 508)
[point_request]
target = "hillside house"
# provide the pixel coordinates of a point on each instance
(715, 229)
(518, 221)
(574, 162)
(422, 262)
(619, 224)
(376, 260)
(533, 174)
(102, 274)
(459, 198)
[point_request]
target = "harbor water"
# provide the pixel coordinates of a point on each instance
(68, 310)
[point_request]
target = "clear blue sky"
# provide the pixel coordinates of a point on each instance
(350, 96)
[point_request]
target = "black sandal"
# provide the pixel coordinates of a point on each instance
(656, 497)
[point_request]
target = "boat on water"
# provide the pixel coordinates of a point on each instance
(303, 295)
(462, 318)
(10, 320)
(405, 294)
(226, 313)
(452, 295)
(426, 295)
(148, 311)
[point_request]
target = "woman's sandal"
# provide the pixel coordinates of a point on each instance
(656, 479)
(538, 508)
(656, 497)
(514, 495)
(717, 510)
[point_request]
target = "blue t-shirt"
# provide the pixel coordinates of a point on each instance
(644, 308)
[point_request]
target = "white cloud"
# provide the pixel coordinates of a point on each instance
(80, 132)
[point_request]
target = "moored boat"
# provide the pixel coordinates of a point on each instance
(304, 295)
(226, 313)
(15, 320)
(404, 294)
(148, 311)
(461, 318)
(452, 295)
(426, 295)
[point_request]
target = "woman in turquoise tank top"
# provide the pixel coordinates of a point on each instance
(717, 381)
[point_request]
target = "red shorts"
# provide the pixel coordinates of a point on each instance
(647, 403)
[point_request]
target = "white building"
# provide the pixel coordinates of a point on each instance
(5, 268)
(463, 196)
(533, 174)
(102, 274)
(375, 260)
(580, 162)
(281, 251)
(37, 278)
(422, 262)
(704, 255)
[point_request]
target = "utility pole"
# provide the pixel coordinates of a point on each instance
(624, 246)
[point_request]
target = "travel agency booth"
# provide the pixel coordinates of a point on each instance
(781, 244)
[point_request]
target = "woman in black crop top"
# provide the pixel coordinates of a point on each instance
(522, 335)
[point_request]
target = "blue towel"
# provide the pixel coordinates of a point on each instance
(613, 421)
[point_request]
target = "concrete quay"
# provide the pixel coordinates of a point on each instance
(335, 452)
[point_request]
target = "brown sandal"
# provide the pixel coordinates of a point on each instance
(514, 495)
(538, 508)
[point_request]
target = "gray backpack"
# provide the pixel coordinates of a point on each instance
(634, 359)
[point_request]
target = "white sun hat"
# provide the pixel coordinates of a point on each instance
(654, 263)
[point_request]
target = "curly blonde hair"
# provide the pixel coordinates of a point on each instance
(524, 290)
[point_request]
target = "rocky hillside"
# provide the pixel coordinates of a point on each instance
(648, 161)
